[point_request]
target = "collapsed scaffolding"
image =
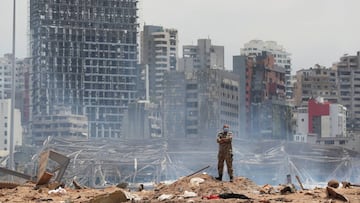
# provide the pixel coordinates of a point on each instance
(109, 162)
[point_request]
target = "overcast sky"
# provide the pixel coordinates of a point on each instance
(313, 31)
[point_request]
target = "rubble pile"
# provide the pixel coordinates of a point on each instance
(196, 188)
(191, 189)
(208, 186)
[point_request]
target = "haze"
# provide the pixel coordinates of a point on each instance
(319, 31)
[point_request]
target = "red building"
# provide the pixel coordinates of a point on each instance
(316, 111)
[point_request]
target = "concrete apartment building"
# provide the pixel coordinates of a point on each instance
(84, 56)
(159, 51)
(348, 70)
(203, 55)
(209, 98)
(5, 127)
(281, 56)
(316, 82)
(5, 76)
(61, 123)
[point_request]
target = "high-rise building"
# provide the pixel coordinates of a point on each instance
(281, 57)
(159, 52)
(349, 88)
(316, 82)
(201, 56)
(84, 56)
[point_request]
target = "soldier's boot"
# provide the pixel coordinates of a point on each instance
(231, 179)
(219, 177)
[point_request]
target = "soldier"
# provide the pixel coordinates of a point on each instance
(224, 138)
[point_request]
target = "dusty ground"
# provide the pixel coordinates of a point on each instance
(208, 188)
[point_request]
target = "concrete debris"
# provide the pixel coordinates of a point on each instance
(114, 197)
(196, 181)
(8, 185)
(188, 194)
(164, 197)
(267, 189)
(348, 184)
(333, 183)
(58, 191)
(286, 189)
(122, 185)
(331, 193)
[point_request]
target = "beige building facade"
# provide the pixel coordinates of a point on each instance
(5, 127)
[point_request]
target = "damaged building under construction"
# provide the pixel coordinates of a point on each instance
(84, 56)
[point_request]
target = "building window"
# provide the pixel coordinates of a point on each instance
(329, 142)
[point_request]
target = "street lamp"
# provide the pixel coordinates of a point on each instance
(11, 151)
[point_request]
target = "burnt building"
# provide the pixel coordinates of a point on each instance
(266, 113)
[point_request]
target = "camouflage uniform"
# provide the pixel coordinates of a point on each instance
(225, 153)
